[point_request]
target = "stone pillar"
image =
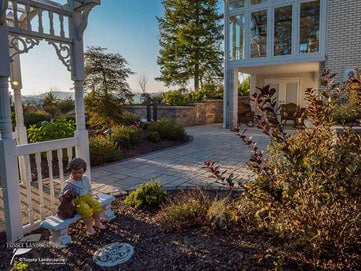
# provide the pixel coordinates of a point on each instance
(230, 94)
(8, 161)
(230, 98)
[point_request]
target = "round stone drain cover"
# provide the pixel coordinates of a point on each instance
(113, 254)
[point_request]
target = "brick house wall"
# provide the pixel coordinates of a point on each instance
(343, 37)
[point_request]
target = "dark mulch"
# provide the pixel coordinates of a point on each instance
(154, 248)
(197, 248)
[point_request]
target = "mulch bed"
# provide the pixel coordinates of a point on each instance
(154, 248)
(195, 248)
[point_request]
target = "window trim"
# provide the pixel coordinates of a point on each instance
(270, 7)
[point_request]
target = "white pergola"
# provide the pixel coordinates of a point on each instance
(23, 24)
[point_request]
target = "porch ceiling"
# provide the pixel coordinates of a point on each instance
(281, 68)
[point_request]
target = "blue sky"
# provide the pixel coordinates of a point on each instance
(127, 27)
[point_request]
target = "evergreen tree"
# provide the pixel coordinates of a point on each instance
(190, 40)
(106, 76)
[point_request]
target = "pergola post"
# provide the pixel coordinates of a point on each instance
(77, 27)
(21, 133)
(81, 133)
(16, 84)
(9, 169)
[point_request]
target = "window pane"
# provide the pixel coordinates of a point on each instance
(291, 93)
(255, 2)
(258, 33)
(309, 27)
(236, 37)
(283, 31)
(233, 4)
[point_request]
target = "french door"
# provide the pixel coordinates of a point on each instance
(287, 90)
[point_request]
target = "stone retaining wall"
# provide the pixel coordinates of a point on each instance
(210, 111)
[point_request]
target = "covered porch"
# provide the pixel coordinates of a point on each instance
(290, 81)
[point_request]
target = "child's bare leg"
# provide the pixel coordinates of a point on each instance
(97, 221)
(88, 221)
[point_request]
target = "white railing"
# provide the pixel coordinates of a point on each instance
(38, 190)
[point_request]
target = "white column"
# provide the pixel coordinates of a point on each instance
(81, 133)
(78, 76)
(21, 133)
(16, 84)
(8, 161)
(9, 168)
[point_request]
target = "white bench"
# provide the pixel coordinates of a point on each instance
(59, 228)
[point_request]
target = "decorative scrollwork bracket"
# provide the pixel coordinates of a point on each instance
(21, 44)
(63, 52)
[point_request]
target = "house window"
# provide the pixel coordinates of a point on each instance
(258, 33)
(283, 31)
(255, 2)
(259, 30)
(236, 37)
(309, 27)
(234, 4)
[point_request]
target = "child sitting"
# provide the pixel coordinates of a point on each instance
(86, 205)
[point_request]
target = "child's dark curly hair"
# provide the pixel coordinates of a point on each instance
(76, 163)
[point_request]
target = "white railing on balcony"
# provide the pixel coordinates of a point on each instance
(41, 185)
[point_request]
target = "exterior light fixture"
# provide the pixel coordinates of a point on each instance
(108, 132)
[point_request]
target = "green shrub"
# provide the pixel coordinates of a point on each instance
(175, 97)
(221, 214)
(214, 90)
(129, 118)
(244, 87)
(34, 117)
(121, 139)
(209, 90)
(187, 209)
(168, 129)
(153, 136)
(65, 106)
(45, 131)
(200, 95)
(126, 136)
(20, 266)
(217, 95)
(102, 150)
(147, 195)
(68, 116)
(347, 113)
(52, 109)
